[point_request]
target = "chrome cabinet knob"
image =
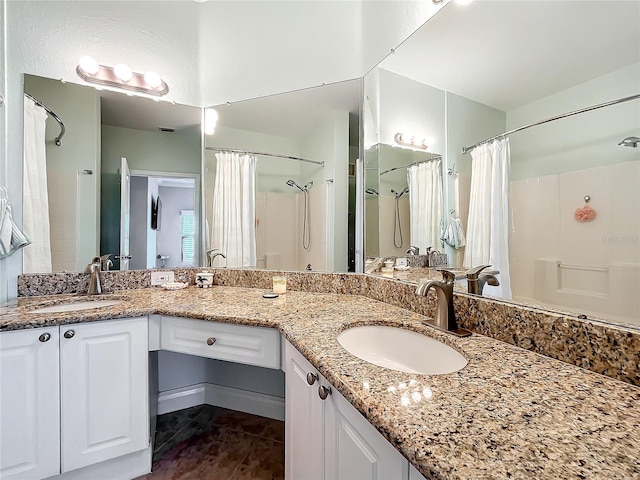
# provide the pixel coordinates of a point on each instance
(324, 392)
(312, 378)
(45, 337)
(211, 341)
(69, 334)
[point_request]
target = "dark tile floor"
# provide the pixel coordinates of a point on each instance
(205, 442)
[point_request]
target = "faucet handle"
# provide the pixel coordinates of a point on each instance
(474, 273)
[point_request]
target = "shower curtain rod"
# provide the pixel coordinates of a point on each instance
(50, 112)
(437, 157)
(265, 154)
(558, 117)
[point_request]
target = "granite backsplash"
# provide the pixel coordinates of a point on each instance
(610, 350)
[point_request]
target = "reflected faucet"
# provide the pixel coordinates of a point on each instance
(476, 280)
(95, 285)
(413, 250)
(212, 256)
(445, 315)
(105, 262)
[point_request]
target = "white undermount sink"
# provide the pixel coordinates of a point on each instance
(73, 306)
(401, 350)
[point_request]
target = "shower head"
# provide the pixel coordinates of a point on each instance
(370, 191)
(630, 142)
(291, 183)
(399, 194)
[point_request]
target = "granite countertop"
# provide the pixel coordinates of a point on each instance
(418, 274)
(509, 413)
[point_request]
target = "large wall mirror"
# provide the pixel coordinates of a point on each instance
(73, 191)
(305, 191)
(304, 145)
(474, 72)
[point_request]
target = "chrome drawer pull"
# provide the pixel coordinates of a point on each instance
(211, 341)
(312, 377)
(45, 337)
(69, 334)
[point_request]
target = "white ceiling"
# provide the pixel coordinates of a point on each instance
(291, 114)
(120, 110)
(552, 45)
(506, 54)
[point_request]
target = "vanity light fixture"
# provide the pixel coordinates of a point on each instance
(413, 141)
(121, 77)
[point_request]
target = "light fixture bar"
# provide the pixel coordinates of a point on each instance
(413, 141)
(106, 76)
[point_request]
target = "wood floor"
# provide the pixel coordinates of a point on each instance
(206, 442)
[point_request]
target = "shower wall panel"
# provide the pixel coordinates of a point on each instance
(560, 261)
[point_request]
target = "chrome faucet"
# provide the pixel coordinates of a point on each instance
(95, 285)
(476, 280)
(212, 256)
(413, 250)
(106, 262)
(445, 315)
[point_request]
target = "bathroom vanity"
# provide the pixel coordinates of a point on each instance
(509, 412)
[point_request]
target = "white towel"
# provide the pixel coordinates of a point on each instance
(453, 234)
(11, 238)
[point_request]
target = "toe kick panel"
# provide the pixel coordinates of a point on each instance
(222, 341)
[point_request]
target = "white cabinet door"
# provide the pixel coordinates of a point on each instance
(29, 404)
(329, 439)
(354, 449)
(304, 420)
(104, 393)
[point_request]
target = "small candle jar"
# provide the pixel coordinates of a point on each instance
(279, 284)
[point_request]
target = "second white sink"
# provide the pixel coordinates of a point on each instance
(401, 350)
(75, 306)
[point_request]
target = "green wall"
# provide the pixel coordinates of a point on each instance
(148, 151)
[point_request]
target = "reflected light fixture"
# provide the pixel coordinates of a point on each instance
(412, 141)
(210, 121)
(459, 2)
(120, 77)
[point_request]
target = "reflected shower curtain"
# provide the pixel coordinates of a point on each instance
(35, 217)
(425, 200)
(233, 229)
(488, 225)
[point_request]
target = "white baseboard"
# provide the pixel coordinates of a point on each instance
(181, 398)
(220, 396)
(125, 467)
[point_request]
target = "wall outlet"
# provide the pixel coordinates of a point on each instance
(158, 278)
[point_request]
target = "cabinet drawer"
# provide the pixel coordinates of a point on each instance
(223, 341)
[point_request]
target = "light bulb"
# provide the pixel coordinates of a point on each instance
(123, 72)
(153, 79)
(210, 121)
(88, 65)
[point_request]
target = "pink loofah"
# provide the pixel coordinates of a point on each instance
(584, 214)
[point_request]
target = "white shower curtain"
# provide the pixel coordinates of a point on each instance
(488, 224)
(425, 200)
(233, 229)
(35, 219)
